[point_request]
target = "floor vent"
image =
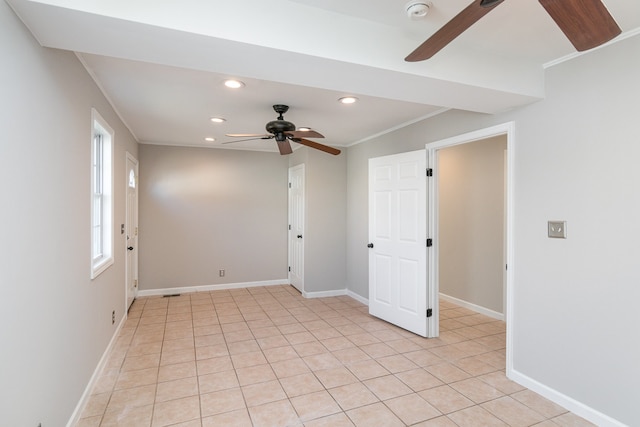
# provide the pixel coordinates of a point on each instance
(170, 295)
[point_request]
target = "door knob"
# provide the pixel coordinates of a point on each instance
(299, 236)
(130, 248)
(370, 245)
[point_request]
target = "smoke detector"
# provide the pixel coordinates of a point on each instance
(417, 9)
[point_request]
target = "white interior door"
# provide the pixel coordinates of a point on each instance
(131, 230)
(296, 227)
(398, 240)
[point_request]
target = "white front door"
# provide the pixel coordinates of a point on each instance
(398, 240)
(131, 230)
(296, 227)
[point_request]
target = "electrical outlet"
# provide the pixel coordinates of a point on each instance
(557, 229)
(221, 272)
(113, 317)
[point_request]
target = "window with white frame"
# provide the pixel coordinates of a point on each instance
(101, 194)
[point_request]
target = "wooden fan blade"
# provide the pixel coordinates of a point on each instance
(248, 139)
(452, 29)
(304, 134)
(284, 147)
(586, 23)
(246, 135)
(317, 146)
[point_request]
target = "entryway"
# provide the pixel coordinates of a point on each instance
(390, 296)
(131, 230)
(296, 226)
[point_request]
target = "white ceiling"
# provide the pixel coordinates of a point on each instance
(162, 64)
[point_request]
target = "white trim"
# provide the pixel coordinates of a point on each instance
(569, 57)
(100, 126)
(578, 408)
(208, 288)
(82, 403)
(507, 129)
(398, 127)
(98, 83)
(325, 294)
(357, 297)
(472, 307)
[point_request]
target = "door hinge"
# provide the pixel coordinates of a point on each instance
(289, 226)
(135, 283)
(289, 268)
(429, 243)
(429, 172)
(429, 312)
(136, 231)
(289, 185)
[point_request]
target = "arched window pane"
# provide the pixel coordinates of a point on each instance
(132, 179)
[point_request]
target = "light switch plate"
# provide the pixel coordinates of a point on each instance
(557, 229)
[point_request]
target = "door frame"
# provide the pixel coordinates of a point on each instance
(507, 129)
(130, 158)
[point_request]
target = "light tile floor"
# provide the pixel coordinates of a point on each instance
(268, 357)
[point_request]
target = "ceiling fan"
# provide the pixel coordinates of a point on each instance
(283, 132)
(586, 23)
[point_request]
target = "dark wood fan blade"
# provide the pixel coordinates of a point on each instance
(586, 23)
(317, 146)
(452, 29)
(247, 135)
(305, 134)
(284, 147)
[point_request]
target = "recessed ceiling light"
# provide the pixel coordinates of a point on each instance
(218, 119)
(209, 139)
(233, 84)
(348, 99)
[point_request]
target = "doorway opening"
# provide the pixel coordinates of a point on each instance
(445, 264)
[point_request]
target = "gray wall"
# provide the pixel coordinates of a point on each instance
(576, 159)
(471, 222)
(55, 322)
(202, 210)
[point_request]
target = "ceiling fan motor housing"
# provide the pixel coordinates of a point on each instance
(280, 126)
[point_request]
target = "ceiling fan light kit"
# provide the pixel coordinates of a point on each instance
(417, 10)
(586, 23)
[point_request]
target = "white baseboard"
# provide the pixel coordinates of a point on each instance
(357, 297)
(472, 307)
(208, 288)
(82, 403)
(578, 408)
(325, 294)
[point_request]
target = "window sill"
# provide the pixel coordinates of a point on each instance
(99, 267)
